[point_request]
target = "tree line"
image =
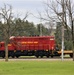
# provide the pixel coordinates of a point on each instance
(24, 28)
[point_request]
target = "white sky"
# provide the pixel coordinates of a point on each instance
(22, 6)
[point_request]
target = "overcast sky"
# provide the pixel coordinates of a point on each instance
(22, 6)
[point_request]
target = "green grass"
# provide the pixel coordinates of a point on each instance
(37, 68)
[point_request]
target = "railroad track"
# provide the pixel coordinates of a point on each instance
(32, 58)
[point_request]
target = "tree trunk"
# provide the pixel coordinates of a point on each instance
(6, 51)
(73, 38)
(73, 44)
(73, 51)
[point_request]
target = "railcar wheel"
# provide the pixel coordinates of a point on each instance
(17, 56)
(3, 56)
(12, 56)
(71, 55)
(51, 56)
(41, 56)
(47, 56)
(37, 56)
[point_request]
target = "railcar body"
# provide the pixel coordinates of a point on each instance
(29, 46)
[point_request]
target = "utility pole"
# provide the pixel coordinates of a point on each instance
(62, 29)
(62, 42)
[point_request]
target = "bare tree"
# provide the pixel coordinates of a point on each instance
(8, 26)
(6, 15)
(63, 10)
(70, 12)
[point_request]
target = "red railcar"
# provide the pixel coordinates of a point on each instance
(34, 43)
(30, 46)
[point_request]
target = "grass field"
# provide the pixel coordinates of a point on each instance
(37, 68)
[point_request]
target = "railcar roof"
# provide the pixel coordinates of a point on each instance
(35, 37)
